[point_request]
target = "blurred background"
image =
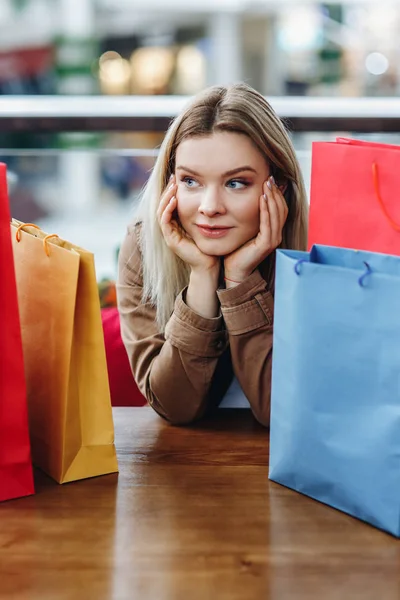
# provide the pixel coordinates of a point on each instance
(83, 183)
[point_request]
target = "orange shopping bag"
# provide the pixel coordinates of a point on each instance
(70, 417)
(16, 477)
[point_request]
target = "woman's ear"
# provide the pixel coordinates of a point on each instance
(283, 187)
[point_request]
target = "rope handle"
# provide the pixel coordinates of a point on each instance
(45, 239)
(361, 279)
(297, 265)
(20, 228)
(45, 244)
(367, 272)
(375, 180)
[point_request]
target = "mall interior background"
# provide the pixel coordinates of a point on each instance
(83, 185)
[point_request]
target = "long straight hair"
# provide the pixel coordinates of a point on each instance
(237, 108)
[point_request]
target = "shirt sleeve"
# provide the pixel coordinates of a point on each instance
(248, 310)
(174, 370)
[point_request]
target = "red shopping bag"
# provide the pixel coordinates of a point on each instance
(16, 478)
(355, 192)
(123, 388)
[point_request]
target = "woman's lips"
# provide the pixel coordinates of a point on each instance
(213, 232)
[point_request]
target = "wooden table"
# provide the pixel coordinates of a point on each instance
(191, 516)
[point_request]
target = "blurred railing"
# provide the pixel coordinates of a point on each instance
(76, 165)
(154, 113)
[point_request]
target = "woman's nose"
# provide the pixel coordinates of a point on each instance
(211, 204)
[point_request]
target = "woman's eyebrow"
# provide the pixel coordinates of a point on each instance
(182, 168)
(240, 169)
(231, 172)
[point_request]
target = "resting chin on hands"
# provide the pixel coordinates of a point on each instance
(176, 237)
(201, 293)
(239, 264)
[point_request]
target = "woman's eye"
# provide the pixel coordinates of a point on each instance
(190, 182)
(237, 184)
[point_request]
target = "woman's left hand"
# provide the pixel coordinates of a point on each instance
(273, 214)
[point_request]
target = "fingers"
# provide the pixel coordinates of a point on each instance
(169, 192)
(278, 210)
(265, 219)
(274, 217)
(165, 211)
(166, 216)
(279, 198)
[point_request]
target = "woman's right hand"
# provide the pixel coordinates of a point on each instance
(176, 237)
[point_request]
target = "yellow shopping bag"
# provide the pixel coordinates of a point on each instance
(70, 416)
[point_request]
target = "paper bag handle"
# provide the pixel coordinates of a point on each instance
(47, 237)
(367, 271)
(375, 179)
(45, 244)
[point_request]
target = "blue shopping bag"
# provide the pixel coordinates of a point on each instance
(335, 406)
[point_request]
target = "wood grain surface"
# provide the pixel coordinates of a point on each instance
(190, 516)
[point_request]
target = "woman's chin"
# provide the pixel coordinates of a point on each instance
(215, 247)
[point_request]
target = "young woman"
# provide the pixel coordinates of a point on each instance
(196, 270)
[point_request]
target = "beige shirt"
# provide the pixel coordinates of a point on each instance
(186, 372)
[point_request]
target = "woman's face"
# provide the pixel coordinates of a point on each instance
(220, 180)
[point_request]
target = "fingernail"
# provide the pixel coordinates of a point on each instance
(269, 184)
(265, 197)
(171, 187)
(171, 176)
(272, 179)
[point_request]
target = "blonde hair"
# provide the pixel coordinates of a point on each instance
(240, 109)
